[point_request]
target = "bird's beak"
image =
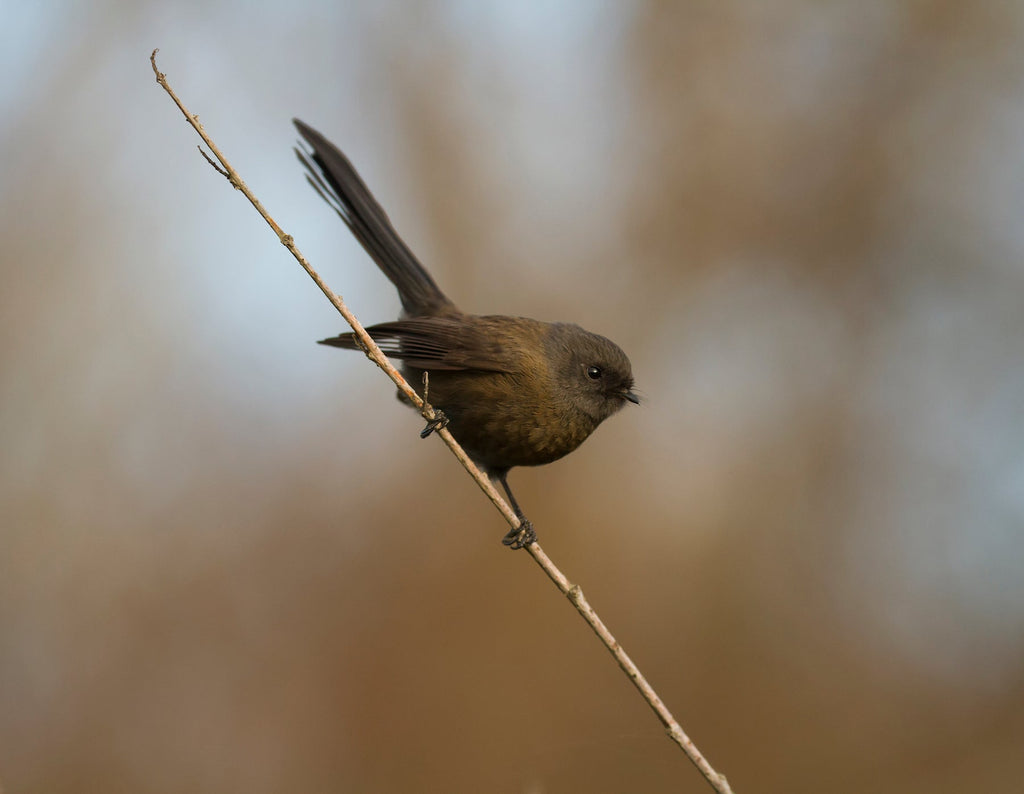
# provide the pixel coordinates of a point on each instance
(632, 398)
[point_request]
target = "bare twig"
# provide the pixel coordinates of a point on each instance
(374, 353)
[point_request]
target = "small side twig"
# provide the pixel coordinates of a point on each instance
(374, 353)
(214, 165)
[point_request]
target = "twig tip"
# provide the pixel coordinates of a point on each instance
(160, 76)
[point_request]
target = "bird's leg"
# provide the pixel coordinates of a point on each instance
(439, 420)
(524, 534)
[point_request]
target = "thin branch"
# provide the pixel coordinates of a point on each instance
(374, 353)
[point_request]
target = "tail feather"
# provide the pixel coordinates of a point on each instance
(332, 176)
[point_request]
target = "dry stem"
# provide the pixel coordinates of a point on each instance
(374, 353)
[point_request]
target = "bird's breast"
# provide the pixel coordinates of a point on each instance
(504, 421)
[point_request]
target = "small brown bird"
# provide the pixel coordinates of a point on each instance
(514, 391)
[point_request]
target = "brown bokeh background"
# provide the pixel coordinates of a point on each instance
(228, 564)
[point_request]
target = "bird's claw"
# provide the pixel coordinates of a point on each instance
(439, 421)
(520, 537)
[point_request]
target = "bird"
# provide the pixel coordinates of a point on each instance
(513, 391)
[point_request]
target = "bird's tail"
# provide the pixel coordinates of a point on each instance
(336, 180)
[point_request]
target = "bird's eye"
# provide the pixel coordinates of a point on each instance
(594, 373)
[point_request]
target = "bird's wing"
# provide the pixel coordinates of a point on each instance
(437, 343)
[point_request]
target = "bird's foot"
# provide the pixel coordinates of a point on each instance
(439, 421)
(520, 537)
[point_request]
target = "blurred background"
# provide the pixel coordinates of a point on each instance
(227, 563)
